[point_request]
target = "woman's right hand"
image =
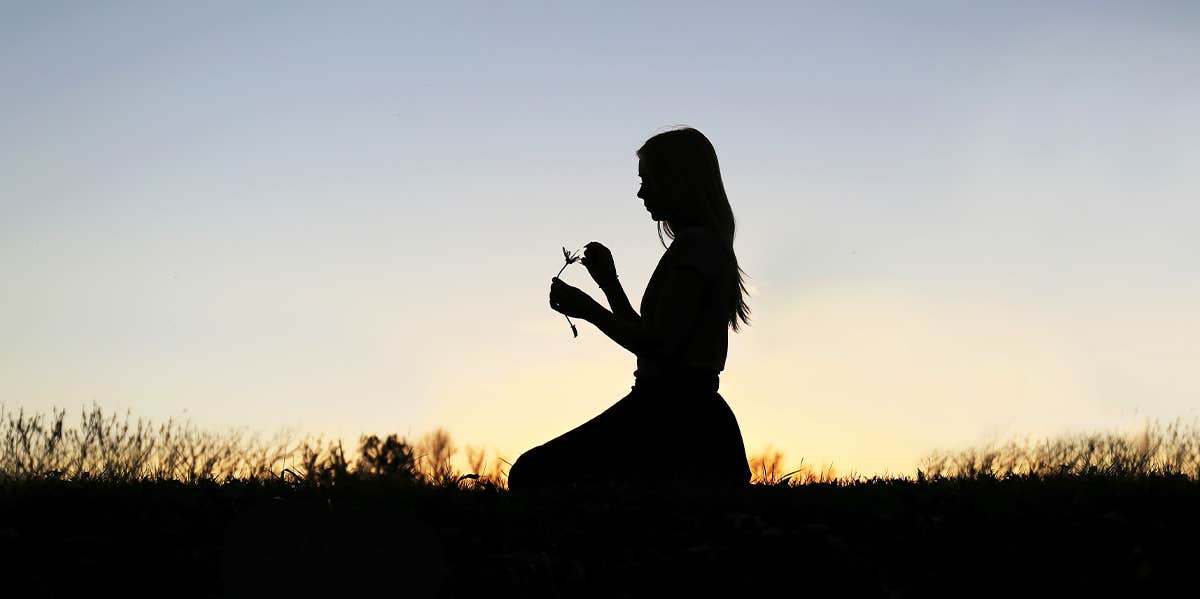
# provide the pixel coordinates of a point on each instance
(599, 263)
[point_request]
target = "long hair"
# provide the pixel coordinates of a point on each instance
(683, 163)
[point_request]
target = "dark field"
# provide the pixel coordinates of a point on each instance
(882, 539)
(94, 511)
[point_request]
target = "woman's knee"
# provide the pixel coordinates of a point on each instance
(528, 471)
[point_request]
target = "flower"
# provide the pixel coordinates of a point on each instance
(570, 258)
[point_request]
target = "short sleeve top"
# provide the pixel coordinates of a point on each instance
(708, 342)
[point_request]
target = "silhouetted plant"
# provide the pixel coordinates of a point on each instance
(475, 458)
(1173, 449)
(435, 451)
(767, 469)
(106, 447)
(391, 458)
(325, 464)
(481, 476)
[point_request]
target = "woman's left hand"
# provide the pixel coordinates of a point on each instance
(571, 300)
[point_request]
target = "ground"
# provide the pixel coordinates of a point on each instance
(877, 539)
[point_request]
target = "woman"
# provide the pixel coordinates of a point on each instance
(673, 425)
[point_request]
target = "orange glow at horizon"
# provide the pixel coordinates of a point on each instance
(874, 379)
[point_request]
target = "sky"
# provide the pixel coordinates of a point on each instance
(961, 222)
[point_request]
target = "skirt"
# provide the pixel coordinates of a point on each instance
(671, 428)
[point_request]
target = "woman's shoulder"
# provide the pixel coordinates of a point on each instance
(695, 232)
(699, 247)
(697, 238)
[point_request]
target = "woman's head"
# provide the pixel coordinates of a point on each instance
(682, 186)
(681, 180)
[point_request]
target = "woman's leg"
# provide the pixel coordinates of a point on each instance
(599, 449)
(653, 434)
(729, 464)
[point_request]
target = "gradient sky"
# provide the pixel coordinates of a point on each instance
(961, 222)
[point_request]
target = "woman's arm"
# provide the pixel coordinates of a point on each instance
(619, 302)
(599, 262)
(628, 334)
(664, 341)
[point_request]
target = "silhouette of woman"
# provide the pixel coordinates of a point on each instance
(673, 426)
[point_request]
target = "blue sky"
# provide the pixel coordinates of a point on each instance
(961, 221)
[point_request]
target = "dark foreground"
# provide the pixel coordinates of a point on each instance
(983, 537)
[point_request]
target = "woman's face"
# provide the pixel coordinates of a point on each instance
(654, 201)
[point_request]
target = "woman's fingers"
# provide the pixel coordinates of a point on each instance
(556, 292)
(563, 295)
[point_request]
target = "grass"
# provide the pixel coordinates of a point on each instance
(122, 449)
(1156, 450)
(129, 507)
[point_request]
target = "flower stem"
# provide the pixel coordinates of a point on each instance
(569, 259)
